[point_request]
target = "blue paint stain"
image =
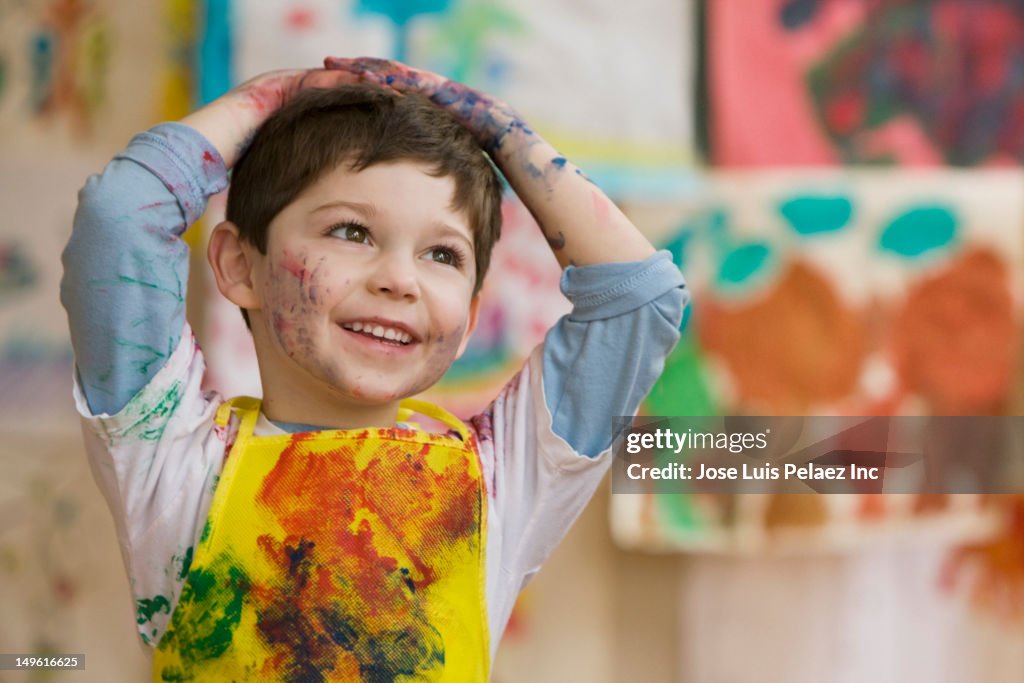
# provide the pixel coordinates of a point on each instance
(810, 215)
(919, 231)
(558, 162)
(42, 69)
(795, 13)
(408, 580)
(742, 263)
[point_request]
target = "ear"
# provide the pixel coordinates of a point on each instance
(232, 262)
(474, 312)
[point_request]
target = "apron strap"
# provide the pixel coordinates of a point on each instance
(248, 409)
(414, 405)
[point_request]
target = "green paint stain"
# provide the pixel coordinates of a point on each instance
(743, 263)
(467, 31)
(142, 365)
(154, 418)
(810, 215)
(207, 615)
(919, 231)
(207, 528)
(682, 388)
(146, 609)
(185, 562)
(125, 280)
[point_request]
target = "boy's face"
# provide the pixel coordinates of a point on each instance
(366, 286)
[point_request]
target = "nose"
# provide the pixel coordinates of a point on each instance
(394, 276)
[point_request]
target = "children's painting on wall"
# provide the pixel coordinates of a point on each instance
(935, 82)
(838, 293)
(635, 138)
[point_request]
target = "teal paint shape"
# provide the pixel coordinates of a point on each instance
(466, 32)
(400, 13)
(811, 215)
(678, 247)
(742, 263)
(43, 66)
(920, 230)
(216, 49)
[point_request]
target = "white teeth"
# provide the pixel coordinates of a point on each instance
(379, 331)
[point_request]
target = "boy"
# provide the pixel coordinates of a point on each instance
(315, 535)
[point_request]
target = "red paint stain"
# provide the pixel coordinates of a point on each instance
(998, 582)
(294, 267)
(602, 207)
(300, 18)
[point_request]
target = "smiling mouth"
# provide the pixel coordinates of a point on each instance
(381, 333)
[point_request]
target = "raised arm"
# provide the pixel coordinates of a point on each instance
(580, 223)
(125, 268)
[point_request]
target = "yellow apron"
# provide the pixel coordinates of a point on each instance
(341, 555)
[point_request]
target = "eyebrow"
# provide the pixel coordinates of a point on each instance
(367, 210)
(451, 230)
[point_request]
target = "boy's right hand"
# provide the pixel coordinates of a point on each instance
(230, 121)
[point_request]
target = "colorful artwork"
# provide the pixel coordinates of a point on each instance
(340, 559)
(936, 82)
(633, 139)
(841, 293)
(61, 76)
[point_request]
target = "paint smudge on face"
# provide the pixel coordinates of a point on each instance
(295, 267)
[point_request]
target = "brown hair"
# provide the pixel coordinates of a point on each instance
(361, 125)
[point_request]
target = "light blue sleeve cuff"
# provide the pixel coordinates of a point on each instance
(604, 356)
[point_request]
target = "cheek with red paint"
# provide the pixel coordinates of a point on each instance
(292, 292)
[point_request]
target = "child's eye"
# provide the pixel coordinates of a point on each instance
(351, 231)
(446, 256)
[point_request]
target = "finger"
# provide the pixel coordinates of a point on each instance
(326, 78)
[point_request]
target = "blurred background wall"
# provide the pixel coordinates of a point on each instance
(840, 181)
